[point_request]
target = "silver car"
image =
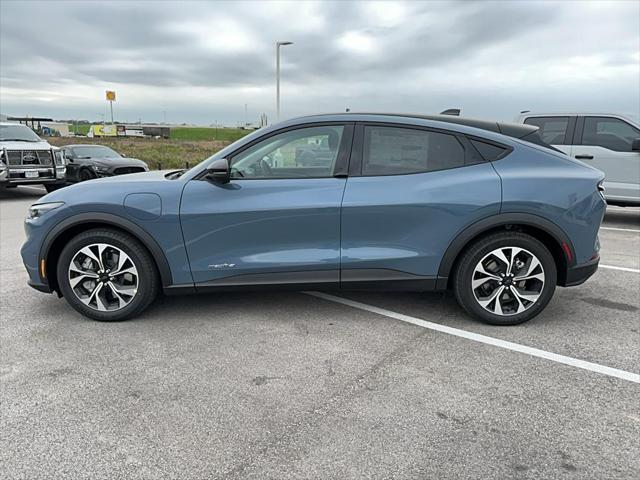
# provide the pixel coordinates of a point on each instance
(608, 142)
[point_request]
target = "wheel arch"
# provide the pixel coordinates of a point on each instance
(550, 234)
(69, 228)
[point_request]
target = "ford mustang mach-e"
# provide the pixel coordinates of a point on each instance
(381, 201)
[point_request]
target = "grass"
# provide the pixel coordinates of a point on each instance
(171, 153)
(207, 133)
(79, 128)
(187, 145)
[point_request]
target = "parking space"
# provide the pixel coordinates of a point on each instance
(290, 385)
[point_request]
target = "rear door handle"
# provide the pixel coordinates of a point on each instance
(584, 157)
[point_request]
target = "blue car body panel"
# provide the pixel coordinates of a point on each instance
(333, 229)
(406, 222)
(107, 196)
(259, 226)
(557, 189)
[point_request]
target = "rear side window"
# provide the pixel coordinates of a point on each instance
(489, 151)
(553, 130)
(611, 133)
(396, 151)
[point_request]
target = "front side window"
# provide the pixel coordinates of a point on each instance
(302, 153)
(611, 133)
(396, 151)
(553, 130)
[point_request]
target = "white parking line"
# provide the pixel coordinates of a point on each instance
(476, 337)
(620, 229)
(624, 269)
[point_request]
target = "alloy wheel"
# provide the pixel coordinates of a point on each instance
(103, 277)
(508, 281)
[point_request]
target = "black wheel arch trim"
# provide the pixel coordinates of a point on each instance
(119, 222)
(500, 220)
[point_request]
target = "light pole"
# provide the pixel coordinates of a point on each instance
(278, 45)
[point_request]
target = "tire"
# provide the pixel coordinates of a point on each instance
(137, 286)
(521, 300)
(85, 174)
(53, 187)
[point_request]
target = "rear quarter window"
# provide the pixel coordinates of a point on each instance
(489, 151)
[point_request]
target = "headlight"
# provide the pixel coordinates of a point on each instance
(40, 209)
(59, 157)
(101, 169)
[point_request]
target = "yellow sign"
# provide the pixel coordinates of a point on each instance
(103, 131)
(111, 96)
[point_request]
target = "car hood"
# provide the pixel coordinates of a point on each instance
(116, 162)
(27, 146)
(110, 188)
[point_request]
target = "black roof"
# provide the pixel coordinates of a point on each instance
(516, 130)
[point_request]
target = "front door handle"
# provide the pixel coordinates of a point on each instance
(584, 157)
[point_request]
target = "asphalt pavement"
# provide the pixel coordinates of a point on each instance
(290, 385)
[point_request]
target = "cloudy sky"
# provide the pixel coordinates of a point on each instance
(201, 62)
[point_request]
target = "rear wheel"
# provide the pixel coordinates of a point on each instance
(505, 279)
(107, 275)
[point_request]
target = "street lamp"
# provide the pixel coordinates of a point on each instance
(278, 45)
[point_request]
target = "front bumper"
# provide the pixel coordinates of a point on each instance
(578, 274)
(46, 176)
(41, 287)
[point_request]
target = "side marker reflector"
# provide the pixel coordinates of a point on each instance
(43, 268)
(567, 251)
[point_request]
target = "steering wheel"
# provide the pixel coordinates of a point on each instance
(265, 168)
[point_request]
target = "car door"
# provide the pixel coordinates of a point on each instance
(278, 220)
(410, 191)
(72, 167)
(605, 143)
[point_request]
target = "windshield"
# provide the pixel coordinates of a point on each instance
(18, 133)
(94, 151)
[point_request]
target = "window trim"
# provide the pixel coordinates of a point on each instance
(357, 155)
(580, 131)
(340, 168)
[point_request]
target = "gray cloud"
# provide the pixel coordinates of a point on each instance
(489, 57)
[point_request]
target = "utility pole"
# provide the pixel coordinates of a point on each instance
(278, 45)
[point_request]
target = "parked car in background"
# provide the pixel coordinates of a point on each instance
(402, 202)
(608, 142)
(26, 159)
(85, 162)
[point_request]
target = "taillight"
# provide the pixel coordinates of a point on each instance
(601, 188)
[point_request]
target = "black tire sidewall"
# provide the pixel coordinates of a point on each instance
(143, 263)
(85, 175)
(467, 264)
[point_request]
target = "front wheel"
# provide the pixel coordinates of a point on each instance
(505, 279)
(107, 275)
(85, 174)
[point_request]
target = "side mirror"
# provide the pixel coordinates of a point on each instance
(635, 145)
(219, 171)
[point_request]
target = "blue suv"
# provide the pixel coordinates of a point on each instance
(379, 201)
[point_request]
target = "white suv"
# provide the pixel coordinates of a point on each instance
(609, 142)
(26, 159)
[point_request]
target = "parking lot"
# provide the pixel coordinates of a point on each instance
(293, 385)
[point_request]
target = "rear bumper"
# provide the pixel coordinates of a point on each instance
(579, 274)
